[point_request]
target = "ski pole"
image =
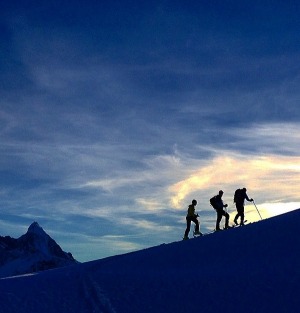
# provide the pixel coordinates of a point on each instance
(257, 209)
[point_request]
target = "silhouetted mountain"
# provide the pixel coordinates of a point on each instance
(34, 251)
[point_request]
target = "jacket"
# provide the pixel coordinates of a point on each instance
(242, 195)
(219, 203)
(191, 211)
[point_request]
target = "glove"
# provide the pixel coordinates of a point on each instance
(226, 205)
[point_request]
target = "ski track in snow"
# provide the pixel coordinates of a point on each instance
(94, 296)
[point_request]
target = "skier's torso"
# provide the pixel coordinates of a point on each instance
(241, 198)
(191, 211)
(219, 203)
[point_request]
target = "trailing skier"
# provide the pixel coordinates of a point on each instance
(240, 196)
(191, 217)
(218, 205)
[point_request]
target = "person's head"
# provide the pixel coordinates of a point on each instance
(244, 189)
(221, 193)
(194, 202)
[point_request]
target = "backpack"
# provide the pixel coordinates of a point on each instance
(237, 195)
(213, 201)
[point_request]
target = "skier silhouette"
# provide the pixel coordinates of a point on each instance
(191, 217)
(219, 206)
(240, 196)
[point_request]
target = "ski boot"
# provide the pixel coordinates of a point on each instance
(197, 233)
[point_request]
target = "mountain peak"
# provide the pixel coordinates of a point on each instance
(32, 252)
(35, 228)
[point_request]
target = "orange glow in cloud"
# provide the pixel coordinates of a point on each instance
(270, 178)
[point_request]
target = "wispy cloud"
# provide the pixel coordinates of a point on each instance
(279, 138)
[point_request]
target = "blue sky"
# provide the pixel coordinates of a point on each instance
(115, 115)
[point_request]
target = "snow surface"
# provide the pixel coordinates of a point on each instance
(254, 268)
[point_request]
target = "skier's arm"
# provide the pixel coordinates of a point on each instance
(247, 198)
(224, 205)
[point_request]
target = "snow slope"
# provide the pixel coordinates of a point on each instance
(254, 268)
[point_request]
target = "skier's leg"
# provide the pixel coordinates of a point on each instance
(226, 218)
(219, 217)
(240, 210)
(237, 215)
(194, 219)
(188, 226)
(242, 215)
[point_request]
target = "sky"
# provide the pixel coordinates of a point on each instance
(114, 115)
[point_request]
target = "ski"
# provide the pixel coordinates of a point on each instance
(214, 231)
(240, 225)
(197, 235)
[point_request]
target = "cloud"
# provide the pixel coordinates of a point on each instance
(279, 138)
(86, 247)
(269, 177)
